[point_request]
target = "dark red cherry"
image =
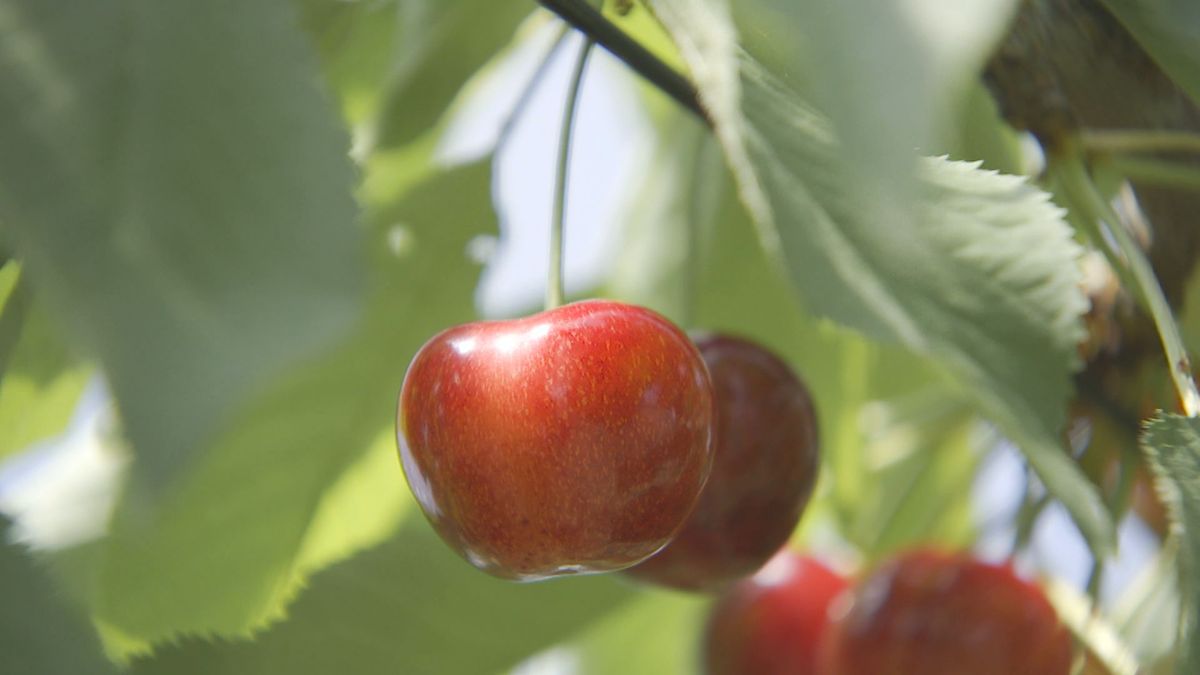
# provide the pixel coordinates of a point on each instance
(764, 469)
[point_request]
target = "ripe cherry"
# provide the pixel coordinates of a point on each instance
(572, 441)
(772, 623)
(764, 469)
(934, 613)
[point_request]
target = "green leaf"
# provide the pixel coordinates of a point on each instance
(984, 281)
(659, 633)
(14, 303)
(39, 631)
(220, 555)
(42, 379)
(358, 42)
(1169, 30)
(442, 43)
(179, 192)
(410, 606)
(1172, 445)
(920, 467)
(736, 289)
(888, 76)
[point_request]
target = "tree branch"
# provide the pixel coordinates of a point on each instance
(587, 20)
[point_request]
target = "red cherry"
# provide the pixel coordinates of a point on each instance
(773, 622)
(572, 441)
(934, 613)
(764, 469)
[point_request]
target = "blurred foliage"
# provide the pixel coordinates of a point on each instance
(1173, 445)
(408, 606)
(178, 193)
(200, 568)
(234, 215)
(42, 379)
(1169, 31)
(39, 631)
(985, 280)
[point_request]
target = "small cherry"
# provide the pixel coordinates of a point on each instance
(572, 441)
(929, 612)
(772, 623)
(764, 470)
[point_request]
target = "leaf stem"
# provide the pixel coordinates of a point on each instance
(1131, 266)
(589, 21)
(1139, 140)
(554, 285)
(1155, 170)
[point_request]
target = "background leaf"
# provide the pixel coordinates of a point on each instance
(179, 193)
(985, 280)
(442, 44)
(897, 470)
(30, 606)
(1169, 31)
(888, 75)
(410, 606)
(658, 633)
(1172, 444)
(40, 379)
(221, 554)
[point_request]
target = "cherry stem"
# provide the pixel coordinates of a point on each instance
(554, 286)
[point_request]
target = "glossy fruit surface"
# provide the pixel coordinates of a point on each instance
(772, 623)
(764, 470)
(575, 440)
(934, 613)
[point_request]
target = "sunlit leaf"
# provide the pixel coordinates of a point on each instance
(984, 280)
(686, 196)
(40, 379)
(659, 633)
(919, 465)
(888, 75)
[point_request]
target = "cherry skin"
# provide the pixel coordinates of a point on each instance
(572, 441)
(764, 470)
(937, 613)
(772, 623)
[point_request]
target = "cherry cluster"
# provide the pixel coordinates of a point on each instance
(598, 436)
(923, 612)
